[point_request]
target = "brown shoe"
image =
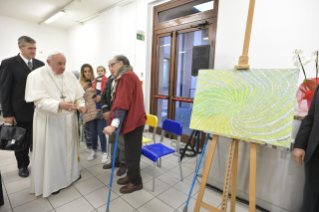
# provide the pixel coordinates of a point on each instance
(123, 181)
(122, 170)
(109, 165)
(129, 188)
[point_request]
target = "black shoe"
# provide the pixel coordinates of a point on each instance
(23, 172)
(54, 193)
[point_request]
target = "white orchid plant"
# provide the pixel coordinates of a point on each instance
(300, 60)
(316, 59)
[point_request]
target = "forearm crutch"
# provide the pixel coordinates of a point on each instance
(117, 134)
(197, 169)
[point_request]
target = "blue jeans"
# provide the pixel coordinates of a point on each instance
(98, 104)
(96, 127)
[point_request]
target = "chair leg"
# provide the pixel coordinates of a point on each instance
(159, 163)
(154, 176)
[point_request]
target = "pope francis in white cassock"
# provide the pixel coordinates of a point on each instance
(57, 95)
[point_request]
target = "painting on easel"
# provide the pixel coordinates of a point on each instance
(253, 105)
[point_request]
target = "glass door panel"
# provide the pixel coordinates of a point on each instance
(186, 83)
(164, 58)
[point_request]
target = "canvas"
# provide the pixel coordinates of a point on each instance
(253, 105)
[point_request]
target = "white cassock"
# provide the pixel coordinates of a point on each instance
(55, 156)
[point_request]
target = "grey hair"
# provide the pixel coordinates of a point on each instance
(25, 39)
(123, 59)
(54, 53)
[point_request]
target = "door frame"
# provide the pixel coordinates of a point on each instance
(171, 27)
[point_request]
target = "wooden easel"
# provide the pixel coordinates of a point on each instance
(231, 170)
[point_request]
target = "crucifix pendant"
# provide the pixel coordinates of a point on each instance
(63, 97)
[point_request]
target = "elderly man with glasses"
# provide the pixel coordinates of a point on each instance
(128, 96)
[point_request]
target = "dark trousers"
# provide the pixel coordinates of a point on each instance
(23, 156)
(133, 146)
(311, 189)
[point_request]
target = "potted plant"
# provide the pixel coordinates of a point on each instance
(308, 86)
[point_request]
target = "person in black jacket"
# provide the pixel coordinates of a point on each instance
(13, 76)
(106, 104)
(306, 150)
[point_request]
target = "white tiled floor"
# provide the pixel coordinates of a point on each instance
(91, 192)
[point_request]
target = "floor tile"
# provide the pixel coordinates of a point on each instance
(170, 178)
(137, 198)
(39, 205)
(99, 197)
(105, 177)
(7, 161)
(18, 185)
(160, 187)
(21, 197)
(156, 205)
(169, 164)
(11, 176)
(173, 197)
(191, 206)
(158, 170)
(85, 175)
(146, 176)
(6, 207)
(6, 154)
(86, 164)
(117, 205)
(65, 196)
(88, 186)
(185, 186)
(185, 170)
(78, 205)
(8, 168)
(96, 169)
(210, 197)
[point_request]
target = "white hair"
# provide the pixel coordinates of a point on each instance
(54, 53)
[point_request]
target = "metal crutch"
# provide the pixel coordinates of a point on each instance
(197, 169)
(117, 133)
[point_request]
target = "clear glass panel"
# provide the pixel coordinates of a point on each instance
(183, 114)
(186, 83)
(162, 108)
(164, 56)
(185, 10)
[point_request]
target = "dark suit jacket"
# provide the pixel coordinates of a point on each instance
(308, 134)
(13, 78)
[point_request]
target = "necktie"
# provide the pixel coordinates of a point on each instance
(30, 65)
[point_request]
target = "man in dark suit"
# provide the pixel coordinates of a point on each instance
(306, 150)
(13, 76)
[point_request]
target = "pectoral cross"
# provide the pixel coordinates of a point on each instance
(63, 97)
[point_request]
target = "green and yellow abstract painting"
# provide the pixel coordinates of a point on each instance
(253, 105)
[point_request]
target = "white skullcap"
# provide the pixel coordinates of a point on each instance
(54, 53)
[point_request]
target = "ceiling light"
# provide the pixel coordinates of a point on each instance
(206, 6)
(205, 38)
(182, 52)
(54, 17)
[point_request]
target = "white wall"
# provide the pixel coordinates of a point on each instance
(47, 38)
(279, 27)
(83, 43)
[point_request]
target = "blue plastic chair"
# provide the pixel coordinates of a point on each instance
(158, 150)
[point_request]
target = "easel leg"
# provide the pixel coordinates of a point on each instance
(234, 178)
(205, 174)
(252, 178)
(228, 176)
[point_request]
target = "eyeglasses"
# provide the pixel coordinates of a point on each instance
(112, 64)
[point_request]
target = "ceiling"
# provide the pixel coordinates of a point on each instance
(37, 11)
